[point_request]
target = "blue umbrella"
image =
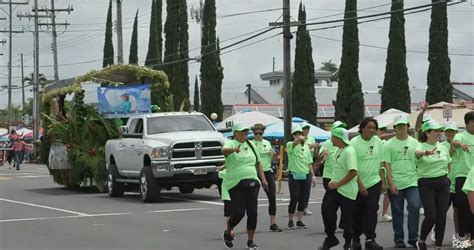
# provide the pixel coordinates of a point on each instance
(276, 131)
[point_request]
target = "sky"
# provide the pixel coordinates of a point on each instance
(81, 44)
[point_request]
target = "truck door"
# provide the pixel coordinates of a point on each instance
(133, 148)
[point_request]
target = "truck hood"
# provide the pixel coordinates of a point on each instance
(185, 136)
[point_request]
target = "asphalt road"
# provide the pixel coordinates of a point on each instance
(36, 213)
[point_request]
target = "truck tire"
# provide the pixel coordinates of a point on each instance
(186, 189)
(115, 189)
(149, 188)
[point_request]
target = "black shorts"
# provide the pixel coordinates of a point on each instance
(452, 200)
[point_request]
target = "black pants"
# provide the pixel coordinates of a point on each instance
(466, 218)
(298, 196)
(333, 200)
(326, 183)
(366, 208)
(434, 195)
(271, 192)
(244, 199)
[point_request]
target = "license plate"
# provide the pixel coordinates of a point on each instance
(200, 171)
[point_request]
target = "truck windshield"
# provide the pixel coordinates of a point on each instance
(166, 124)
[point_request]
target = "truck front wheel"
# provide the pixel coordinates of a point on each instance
(149, 187)
(115, 188)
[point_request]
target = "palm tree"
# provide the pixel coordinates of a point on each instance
(331, 67)
(42, 79)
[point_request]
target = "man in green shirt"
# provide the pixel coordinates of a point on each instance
(369, 150)
(464, 144)
(402, 178)
(342, 191)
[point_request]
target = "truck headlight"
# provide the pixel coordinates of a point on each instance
(161, 152)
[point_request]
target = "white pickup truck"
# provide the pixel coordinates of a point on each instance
(164, 150)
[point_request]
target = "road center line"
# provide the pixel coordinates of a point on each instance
(197, 201)
(45, 207)
(178, 210)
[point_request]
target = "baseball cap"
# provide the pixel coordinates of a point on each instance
(400, 119)
(296, 129)
(342, 134)
(338, 124)
(239, 127)
(430, 125)
(450, 126)
(305, 125)
(427, 117)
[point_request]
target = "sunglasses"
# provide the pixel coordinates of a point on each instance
(258, 133)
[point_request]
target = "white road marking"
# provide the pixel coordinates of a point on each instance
(178, 210)
(197, 201)
(45, 207)
(41, 218)
(31, 176)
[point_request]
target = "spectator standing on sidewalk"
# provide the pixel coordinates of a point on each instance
(18, 146)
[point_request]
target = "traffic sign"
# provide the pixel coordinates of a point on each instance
(447, 111)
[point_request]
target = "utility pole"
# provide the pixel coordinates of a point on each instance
(54, 46)
(249, 88)
(10, 48)
(287, 36)
(198, 14)
(22, 83)
(119, 33)
(36, 101)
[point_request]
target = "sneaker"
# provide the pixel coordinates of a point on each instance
(328, 243)
(356, 244)
(433, 236)
(386, 218)
(413, 243)
(275, 228)
(400, 244)
(291, 225)
(300, 224)
(371, 244)
(307, 212)
(347, 247)
(251, 245)
(422, 211)
(228, 240)
(421, 246)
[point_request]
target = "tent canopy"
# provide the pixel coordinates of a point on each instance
(249, 118)
(276, 131)
(384, 119)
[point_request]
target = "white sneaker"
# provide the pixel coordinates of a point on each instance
(307, 212)
(422, 211)
(433, 236)
(386, 218)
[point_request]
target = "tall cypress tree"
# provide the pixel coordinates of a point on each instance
(176, 51)
(395, 90)
(108, 44)
(439, 71)
(133, 57)
(211, 68)
(159, 28)
(196, 95)
(152, 55)
(350, 99)
(303, 96)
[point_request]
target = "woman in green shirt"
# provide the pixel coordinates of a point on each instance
(433, 161)
(369, 150)
(300, 175)
(266, 153)
(313, 145)
(243, 170)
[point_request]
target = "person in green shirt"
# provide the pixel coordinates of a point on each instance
(313, 145)
(433, 161)
(243, 171)
(264, 149)
(468, 188)
(402, 178)
(369, 150)
(464, 145)
(300, 175)
(450, 130)
(342, 191)
(384, 136)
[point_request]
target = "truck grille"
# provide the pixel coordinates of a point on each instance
(196, 150)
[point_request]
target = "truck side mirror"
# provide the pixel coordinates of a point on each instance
(124, 129)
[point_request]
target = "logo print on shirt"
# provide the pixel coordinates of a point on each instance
(405, 150)
(371, 149)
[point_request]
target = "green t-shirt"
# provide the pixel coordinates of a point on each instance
(469, 184)
(434, 165)
(240, 166)
(299, 158)
(466, 159)
(402, 159)
(454, 162)
(225, 196)
(369, 159)
(330, 159)
(264, 149)
(346, 160)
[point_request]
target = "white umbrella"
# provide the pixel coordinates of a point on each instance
(249, 119)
